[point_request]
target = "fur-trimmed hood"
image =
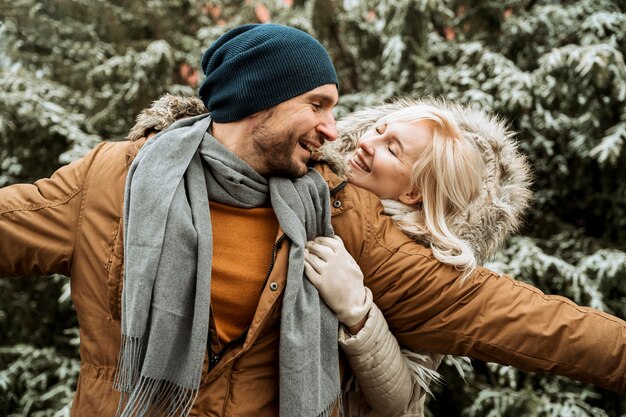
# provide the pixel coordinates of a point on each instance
(491, 217)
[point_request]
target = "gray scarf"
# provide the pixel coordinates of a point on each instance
(167, 251)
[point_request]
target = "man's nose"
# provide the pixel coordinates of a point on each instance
(328, 128)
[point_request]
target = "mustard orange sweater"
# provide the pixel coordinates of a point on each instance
(242, 249)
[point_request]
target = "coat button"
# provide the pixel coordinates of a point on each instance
(273, 286)
(336, 204)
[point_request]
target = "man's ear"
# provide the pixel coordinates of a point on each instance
(411, 197)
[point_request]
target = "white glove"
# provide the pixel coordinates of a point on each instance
(338, 278)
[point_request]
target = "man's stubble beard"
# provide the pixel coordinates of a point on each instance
(277, 153)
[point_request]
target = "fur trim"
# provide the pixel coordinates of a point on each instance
(505, 195)
(163, 112)
(423, 367)
(497, 210)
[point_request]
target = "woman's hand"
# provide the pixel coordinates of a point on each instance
(339, 280)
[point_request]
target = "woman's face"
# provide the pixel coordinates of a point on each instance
(385, 155)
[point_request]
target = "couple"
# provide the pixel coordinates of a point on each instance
(206, 224)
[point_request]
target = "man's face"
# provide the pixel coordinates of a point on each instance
(287, 133)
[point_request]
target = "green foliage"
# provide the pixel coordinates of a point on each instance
(513, 403)
(77, 71)
(35, 127)
(37, 383)
(38, 357)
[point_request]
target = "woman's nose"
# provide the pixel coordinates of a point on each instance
(367, 146)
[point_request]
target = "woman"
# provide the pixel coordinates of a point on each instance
(451, 178)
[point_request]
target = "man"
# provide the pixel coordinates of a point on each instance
(271, 344)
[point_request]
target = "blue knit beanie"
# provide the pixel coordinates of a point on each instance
(253, 67)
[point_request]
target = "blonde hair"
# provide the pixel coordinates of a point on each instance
(448, 174)
(474, 183)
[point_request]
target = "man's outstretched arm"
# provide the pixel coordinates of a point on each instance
(39, 222)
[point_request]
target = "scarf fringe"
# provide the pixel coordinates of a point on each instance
(157, 397)
(143, 396)
(128, 364)
(336, 403)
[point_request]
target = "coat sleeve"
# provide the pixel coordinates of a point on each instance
(487, 316)
(387, 383)
(39, 222)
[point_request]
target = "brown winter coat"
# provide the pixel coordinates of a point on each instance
(71, 224)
